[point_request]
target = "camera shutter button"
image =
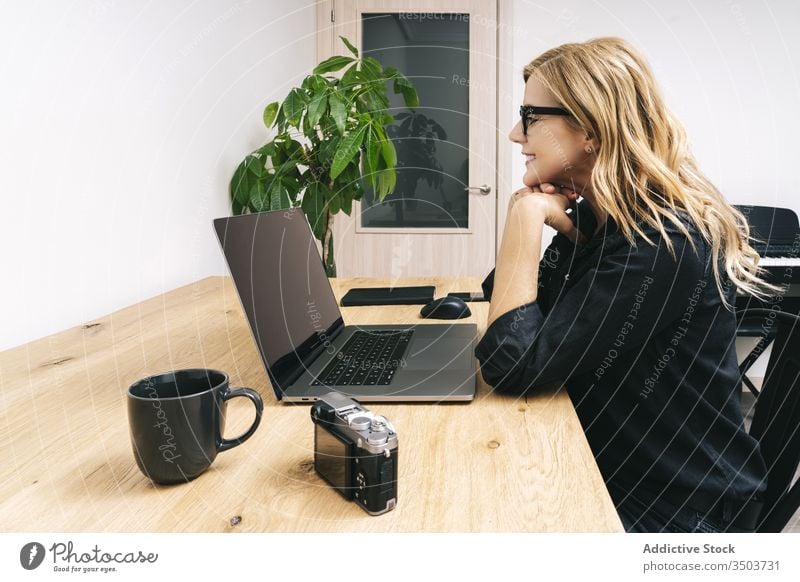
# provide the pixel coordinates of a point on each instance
(378, 424)
(360, 423)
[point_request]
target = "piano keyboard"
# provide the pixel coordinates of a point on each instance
(778, 262)
(775, 234)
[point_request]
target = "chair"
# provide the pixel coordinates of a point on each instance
(752, 326)
(776, 422)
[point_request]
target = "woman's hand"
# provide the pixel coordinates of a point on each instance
(552, 201)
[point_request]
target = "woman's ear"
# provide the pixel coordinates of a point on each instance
(591, 144)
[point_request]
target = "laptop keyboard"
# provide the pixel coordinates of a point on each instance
(368, 358)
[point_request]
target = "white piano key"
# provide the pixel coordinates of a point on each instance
(779, 262)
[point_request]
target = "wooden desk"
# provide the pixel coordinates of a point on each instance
(497, 464)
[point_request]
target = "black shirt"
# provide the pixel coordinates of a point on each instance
(646, 350)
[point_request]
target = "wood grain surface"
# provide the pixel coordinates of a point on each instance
(498, 464)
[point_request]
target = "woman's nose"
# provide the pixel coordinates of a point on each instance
(516, 134)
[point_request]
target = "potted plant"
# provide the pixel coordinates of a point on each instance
(326, 128)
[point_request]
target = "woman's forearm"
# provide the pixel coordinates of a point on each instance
(517, 269)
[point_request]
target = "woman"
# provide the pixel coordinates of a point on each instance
(631, 305)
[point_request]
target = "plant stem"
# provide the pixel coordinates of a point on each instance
(327, 245)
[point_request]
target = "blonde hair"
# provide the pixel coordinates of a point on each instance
(644, 169)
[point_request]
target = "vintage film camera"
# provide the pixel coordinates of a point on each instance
(356, 452)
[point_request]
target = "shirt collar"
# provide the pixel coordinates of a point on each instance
(586, 222)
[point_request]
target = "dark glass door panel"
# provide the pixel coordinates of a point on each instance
(432, 141)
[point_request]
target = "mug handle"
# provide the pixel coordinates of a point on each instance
(226, 444)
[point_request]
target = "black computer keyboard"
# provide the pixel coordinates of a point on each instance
(368, 358)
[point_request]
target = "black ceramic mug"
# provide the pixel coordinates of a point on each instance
(177, 420)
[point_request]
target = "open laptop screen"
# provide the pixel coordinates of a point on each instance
(285, 294)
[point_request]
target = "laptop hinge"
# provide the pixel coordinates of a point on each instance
(334, 332)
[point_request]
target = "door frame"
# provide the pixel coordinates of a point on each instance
(505, 75)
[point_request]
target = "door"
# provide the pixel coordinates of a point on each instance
(440, 219)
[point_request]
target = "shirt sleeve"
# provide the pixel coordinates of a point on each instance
(629, 294)
(488, 285)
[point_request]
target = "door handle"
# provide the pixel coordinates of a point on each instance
(484, 189)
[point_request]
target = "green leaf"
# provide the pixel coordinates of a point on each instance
(270, 113)
(268, 149)
(372, 151)
(240, 184)
(347, 201)
(327, 125)
(334, 63)
(390, 73)
(278, 196)
(404, 86)
(410, 97)
(371, 70)
(380, 192)
(293, 106)
(327, 150)
(286, 197)
(293, 187)
(347, 150)
(349, 175)
(255, 165)
(280, 121)
(357, 190)
(316, 108)
(259, 199)
(389, 153)
(338, 111)
(349, 187)
(314, 206)
(325, 192)
(274, 196)
(280, 154)
(314, 83)
(334, 200)
(237, 208)
(353, 49)
(386, 183)
(293, 150)
(351, 79)
(377, 99)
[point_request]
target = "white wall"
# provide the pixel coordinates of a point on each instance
(122, 123)
(728, 69)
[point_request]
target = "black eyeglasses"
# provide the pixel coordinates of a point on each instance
(526, 110)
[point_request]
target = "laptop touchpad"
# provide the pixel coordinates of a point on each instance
(430, 353)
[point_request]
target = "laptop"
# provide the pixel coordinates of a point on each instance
(298, 328)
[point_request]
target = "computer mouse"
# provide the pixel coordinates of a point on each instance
(446, 308)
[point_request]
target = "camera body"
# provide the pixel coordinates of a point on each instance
(356, 452)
